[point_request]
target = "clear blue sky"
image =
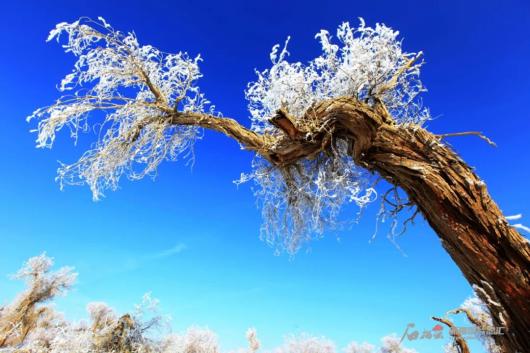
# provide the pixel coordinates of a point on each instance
(191, 237)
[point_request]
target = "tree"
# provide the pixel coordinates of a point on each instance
(319, 130)
(26, 314)
(28, 325)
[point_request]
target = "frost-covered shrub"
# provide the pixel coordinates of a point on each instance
(306, 344)
(252, 338)
(28, 325)
(194, 340)
(355, 347)
(392, 344)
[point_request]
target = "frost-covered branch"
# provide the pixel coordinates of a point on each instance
(368, 64)
(363, 62)
(468, 133)
(126, 91)
(146, 108)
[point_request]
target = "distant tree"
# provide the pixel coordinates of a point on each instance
(319, 130)
(31, 325)
(26, 313)
(477, 314)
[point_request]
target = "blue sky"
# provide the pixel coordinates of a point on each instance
(191, 237)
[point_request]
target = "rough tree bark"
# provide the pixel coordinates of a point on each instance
(491, 254)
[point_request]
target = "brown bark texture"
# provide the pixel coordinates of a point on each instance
(491, 254)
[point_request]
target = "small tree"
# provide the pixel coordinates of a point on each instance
(319, 130)
(27, 312)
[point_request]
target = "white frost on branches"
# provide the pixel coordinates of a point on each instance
(252, 338)
(479, 310)
(43, 284)
(518, 225)
(358, 64)
(305, 199)
(131, 85)
(306, 344)
(27, 316)
(302, 200)
(194, 340)
(481, 313)
(129, 93)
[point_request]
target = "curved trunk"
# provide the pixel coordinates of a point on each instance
(491, 254)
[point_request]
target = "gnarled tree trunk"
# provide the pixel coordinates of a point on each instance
(491, 254)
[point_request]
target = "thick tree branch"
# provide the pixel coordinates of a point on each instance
(491, 254)
(230, 127)
(282, 121)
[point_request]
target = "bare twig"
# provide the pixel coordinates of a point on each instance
(467, 133)
(390, 84)
(410, 219)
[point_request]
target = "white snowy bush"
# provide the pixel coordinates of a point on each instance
(392, 344)
(306, 344)
(355, 347)
(32, 325)
(252, 338)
